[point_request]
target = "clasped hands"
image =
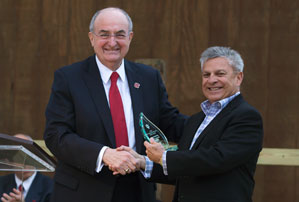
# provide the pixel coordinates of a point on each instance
(124, 160)
(14, 196)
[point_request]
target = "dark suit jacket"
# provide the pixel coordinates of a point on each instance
(39, 191)
(79, 124)
(221, 164)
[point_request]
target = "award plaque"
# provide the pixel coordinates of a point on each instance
(150, 130)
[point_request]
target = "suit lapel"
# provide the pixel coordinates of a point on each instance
(135, 86)
(212, 124)
(96, 89)
(236, 101)
(10, 184)
(190, 131)
(34, 190)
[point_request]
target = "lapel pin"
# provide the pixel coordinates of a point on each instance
(136, 85)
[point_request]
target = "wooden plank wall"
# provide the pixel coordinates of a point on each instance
(37, 37)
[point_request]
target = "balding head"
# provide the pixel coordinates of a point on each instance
(111, 9)
(23, 136)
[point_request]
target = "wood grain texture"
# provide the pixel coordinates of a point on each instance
(37, 37)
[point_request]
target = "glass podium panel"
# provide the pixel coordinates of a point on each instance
(23, 155)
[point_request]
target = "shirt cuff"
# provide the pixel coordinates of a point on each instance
(148, 168)
(100, 163)
(164, 163)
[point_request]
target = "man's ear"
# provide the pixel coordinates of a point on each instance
(131, 36)
(240, 77)
(91, 38)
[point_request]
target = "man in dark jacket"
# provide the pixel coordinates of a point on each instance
(220, 145)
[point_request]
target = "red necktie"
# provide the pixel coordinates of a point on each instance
(20, 188)
(117, 113)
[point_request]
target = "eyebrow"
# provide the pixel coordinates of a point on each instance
(218, 70)
(221, 70)
(106, 31)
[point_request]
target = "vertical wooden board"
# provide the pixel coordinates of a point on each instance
(218, 23)
(42, 90)
(27, 18)
(7, 61)
(26, 102)
(186, 21)
(296, 185)
(167, 192)
(123, 4)
(148, 17)
(281, 127)
(280, 184)
(55, 40)
(6, 95)
(283, 76)
(55, 28)
(8, 12)
(258, 192)
(53, 50)
(80, 15)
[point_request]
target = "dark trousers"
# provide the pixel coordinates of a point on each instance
(127, 189)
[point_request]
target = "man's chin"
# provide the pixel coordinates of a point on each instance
(213, 98)
(113, 58)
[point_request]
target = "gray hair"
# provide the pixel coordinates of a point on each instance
(91, 25)
(234, 58)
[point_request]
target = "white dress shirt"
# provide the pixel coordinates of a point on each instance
(123, 87)
(26, 184)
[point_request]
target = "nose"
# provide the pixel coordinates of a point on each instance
(112, 37)
(212, 79)
(112, 40)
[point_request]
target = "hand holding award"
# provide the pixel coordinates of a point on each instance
(150, 130)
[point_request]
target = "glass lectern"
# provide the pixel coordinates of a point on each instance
(23, 155)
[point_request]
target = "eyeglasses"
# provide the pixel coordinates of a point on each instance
(105, 36)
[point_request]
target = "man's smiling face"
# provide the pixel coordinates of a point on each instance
(219, 80)
(111, 50)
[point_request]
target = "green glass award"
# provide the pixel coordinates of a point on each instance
(150, 130)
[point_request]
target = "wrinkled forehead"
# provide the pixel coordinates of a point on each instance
(217, 63)
(111, 20)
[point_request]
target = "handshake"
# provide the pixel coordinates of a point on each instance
(124, 160)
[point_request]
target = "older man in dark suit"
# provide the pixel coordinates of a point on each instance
(220, 145)
(94, 108)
